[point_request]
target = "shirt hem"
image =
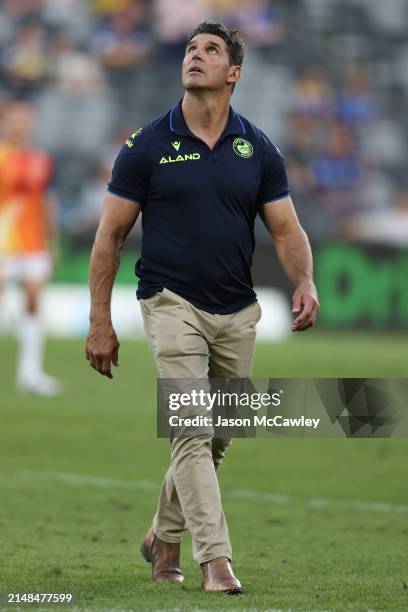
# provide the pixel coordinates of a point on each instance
(219, 311)
(116, 193)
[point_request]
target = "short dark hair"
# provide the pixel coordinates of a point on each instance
(233, 40)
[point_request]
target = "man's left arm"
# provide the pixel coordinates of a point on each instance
(295, 255)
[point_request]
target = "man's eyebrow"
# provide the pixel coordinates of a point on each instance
(209, 42)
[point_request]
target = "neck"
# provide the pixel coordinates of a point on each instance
(206, 114)
(15, 142)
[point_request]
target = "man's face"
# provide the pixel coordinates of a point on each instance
(206, 64)
(17, 122)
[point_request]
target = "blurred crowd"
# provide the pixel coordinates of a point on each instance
(326, 80)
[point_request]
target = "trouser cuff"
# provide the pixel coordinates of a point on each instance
(209, 556)
(166, 538)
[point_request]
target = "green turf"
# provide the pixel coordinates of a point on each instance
(63, 534)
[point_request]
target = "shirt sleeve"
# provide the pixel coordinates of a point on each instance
(130, 177)
(274, 181)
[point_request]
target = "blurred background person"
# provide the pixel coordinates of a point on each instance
(389, 227)
(259, 22)
(27, 233)
(25, 60)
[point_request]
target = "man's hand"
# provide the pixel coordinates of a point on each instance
(117, 219)
(305, 306)
(102, 348)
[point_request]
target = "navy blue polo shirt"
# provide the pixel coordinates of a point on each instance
(199, 207)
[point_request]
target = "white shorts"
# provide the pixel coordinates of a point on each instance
(35, 267)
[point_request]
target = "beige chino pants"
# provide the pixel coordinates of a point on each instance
(187, 342)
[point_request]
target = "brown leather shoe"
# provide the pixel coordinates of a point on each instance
(218, 577)
(164, 557)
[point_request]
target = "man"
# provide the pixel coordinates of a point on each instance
(199, 174)
(27, 231)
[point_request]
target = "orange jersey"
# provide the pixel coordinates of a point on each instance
(24, 178)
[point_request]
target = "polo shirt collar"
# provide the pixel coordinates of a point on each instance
(179, 126)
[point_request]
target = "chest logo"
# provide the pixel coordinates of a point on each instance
(243, 147)
(176, 144)
(180, 158)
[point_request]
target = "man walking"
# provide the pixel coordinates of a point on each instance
(199, 174)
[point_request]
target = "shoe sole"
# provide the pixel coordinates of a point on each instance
(233, 592)
(236, 591)
(229, 592)
(145, 553)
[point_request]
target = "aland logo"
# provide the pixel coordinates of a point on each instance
(243, 147)
(180, 158)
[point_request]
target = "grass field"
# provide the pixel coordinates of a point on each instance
(79, 476)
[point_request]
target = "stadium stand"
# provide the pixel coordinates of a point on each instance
(325, 79)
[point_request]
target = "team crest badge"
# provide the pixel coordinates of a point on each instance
(243, 147)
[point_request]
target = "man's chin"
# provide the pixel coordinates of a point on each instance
(194, 87)
(193, 83)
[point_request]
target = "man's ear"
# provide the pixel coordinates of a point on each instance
(234, 74)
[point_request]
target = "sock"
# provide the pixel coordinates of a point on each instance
(31, 341)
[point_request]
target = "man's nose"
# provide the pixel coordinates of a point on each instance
(197, 53)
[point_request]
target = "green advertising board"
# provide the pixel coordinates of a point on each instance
(359, 285)
(362, 285)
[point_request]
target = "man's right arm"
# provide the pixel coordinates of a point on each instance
(117, 219)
